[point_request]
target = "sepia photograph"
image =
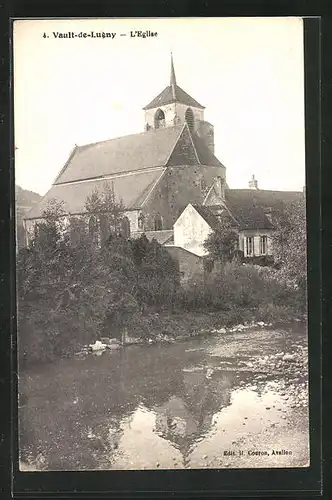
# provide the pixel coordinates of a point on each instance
(161, 243)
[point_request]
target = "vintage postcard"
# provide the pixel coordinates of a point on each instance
(161, 243)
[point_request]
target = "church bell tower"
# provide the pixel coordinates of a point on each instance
(173, 106)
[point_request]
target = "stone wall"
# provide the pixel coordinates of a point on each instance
(191, 266)
(179, 186)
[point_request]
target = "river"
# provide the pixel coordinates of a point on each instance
(223, 401)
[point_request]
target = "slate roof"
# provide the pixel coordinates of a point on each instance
(205, 156)
(123, 154)
(176, 252)
(167, 96)
(131, 161)
(163, 236)
(129, 153)
(131, 189)
(249, 206)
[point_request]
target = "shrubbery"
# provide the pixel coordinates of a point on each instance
(72, 289)
(70, 293)
(244, 292)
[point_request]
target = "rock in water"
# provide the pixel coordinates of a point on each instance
(113, 346)
(97, 346)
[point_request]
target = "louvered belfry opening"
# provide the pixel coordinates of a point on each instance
(190, 119)
(159, 119)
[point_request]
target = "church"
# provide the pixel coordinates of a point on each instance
(170, 182)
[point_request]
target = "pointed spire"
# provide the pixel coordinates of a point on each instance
(173, 79)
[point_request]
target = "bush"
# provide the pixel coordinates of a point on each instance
(70, 292)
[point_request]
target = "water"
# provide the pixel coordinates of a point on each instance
(206, 402)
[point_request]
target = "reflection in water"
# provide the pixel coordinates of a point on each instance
(145, 407)
(185, 418)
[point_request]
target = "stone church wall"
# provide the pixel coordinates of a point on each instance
(179, 186)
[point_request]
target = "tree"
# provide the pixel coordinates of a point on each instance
(107, 212)
(290, 243)
(71, 291)
(67, 292)
(158, 273)
(222, 243)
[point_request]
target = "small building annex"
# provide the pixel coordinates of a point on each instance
(248, 211)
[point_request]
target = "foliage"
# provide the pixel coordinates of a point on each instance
(158, 273)
(222, 243)
(70, 291)
(66, 291)
(289, 243)
(108, 212)
(241, 291)
(72, 288)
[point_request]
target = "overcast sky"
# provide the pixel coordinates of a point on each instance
(248, 72)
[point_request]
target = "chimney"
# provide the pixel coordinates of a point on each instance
(219, 185)
(253, 184)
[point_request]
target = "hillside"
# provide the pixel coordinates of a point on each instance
(24, 200)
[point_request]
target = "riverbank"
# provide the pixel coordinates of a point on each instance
(185, 404)
(171, 328)
(168, 327)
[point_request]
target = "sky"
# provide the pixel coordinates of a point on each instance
(247, 72)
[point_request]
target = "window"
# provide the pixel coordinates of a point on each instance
(249, 246)
(189, 116)
(125, 227)
(77, 229)
(104, 228)
(263, 245)
(94, 230)
(158, 223)
(159, 119)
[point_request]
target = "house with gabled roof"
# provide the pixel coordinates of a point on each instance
(249, 212)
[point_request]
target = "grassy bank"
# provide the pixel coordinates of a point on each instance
(185, 324)
(234, 295)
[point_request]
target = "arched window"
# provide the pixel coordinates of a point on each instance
(125, 227)
(94, 229)
(158, 223)
(189, 116)
(77, 229)
(104, 228)
(159, 119)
